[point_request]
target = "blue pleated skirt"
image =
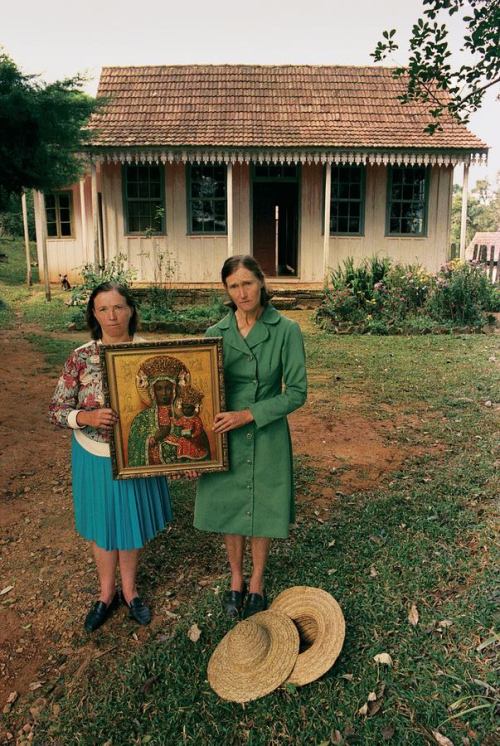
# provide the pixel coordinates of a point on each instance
(116, 514)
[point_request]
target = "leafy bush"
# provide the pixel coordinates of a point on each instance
(163, 311)
(403, 291)
(380, 296)
(354, 294)
(113, 271)
(462, 293)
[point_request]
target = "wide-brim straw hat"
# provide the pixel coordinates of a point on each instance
(255, 657)
(321, 626)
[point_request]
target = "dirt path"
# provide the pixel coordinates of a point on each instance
(47, 577)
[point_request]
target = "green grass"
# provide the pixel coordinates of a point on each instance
(428, 535)
(13, 267)
(29, 304)
(55, 351)
(52, 315)
(31, 307)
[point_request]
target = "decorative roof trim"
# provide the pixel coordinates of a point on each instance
(411, 157)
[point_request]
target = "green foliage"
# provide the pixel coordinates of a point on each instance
(43, 129)
(462, 293)
(430, 77)
(13, 265)
(11, 217)
(51, 316)
(115, 270)
(483, 210)
(380, 296)
(6, 314)
(161, 309)
(160, 296)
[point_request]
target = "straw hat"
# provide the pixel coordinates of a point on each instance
(254, 658)
(321, 626)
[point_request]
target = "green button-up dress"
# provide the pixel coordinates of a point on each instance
(266, 373)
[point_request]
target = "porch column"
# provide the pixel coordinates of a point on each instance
(83, 216)
(463, 223)
(95, 213)
(229, 191)
(43, 235)
(29, 280)
(326, 219)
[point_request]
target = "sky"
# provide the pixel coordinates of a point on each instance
(59, 38)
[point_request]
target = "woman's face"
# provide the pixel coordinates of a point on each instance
(244, 290)
(164, 392)
(113, 315)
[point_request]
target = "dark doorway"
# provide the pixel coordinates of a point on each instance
(275, 227)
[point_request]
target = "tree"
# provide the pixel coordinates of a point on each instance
(11, 217)
(483, 210)
(431, 78)
(43, 130)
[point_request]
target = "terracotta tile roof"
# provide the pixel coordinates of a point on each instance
(297, 106)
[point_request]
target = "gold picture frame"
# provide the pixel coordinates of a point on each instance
(166, 395)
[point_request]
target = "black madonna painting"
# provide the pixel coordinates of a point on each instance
(166, 395)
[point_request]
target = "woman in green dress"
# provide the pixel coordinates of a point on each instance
(265, 380)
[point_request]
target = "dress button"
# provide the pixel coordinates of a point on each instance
(255, 381)
(249, 460)
(249, 436)
(249, 486)
(248, 512)
(250, 357)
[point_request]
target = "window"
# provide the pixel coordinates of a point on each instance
(407, 201)
(347, 200)
(59, 212)
(207, 199)
(144, 198)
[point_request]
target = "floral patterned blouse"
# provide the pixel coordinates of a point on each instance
(80, 387)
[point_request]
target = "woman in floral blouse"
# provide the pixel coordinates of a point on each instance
(118, 517)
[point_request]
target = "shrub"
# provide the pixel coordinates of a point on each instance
(209, 313)
(462, 293)
(406, 290)
(356, 290)
(380, 296)
(113, 271)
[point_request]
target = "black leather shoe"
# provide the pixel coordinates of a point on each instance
(99, 613)
(255, 602)
(232, 602)
(138, 611)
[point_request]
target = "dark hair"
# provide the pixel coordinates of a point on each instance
(104, 287)
(233, 263)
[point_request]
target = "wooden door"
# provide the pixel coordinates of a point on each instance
(275, 227)
(264, 228)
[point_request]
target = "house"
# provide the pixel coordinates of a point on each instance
(484, 243)
(198, 162)
(485, 249)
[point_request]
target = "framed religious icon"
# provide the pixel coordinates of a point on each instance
(166, 395)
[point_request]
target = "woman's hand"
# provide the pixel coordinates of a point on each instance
(162, 433)
(226, 421)
(190, 474)
(101, 419)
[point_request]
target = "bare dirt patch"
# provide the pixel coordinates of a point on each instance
(349, 450)
(50, 569)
